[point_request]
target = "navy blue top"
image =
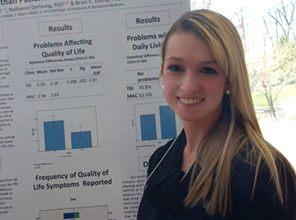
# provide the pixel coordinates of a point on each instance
(167, 187)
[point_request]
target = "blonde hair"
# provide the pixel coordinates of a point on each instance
(237, 127)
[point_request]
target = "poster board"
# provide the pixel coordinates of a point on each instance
(81, 109)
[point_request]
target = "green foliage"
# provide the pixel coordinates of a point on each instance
(288, 91)
(285, 60)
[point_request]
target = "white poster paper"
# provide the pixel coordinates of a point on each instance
(81, 109)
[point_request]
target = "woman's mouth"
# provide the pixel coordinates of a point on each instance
(190, 101)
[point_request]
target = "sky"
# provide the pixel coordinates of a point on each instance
(254, 11)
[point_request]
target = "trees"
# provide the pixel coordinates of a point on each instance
(271, 72)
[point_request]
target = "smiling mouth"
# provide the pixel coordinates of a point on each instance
(190, 101)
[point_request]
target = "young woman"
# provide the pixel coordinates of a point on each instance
(219, 166)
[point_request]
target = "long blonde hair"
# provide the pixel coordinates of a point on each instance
(237, 127)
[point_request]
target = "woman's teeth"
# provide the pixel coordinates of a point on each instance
(190, 101)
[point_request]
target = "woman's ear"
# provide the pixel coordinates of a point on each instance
(161, 68)
(227, 89)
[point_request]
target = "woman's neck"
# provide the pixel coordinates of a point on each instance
(195, 133)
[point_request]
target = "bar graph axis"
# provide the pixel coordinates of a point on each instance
(79, 213)
(154, 121)
(66, 129)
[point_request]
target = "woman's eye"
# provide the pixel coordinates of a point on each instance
(174, 68)
(209, 71)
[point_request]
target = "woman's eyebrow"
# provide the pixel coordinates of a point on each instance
(174, 58)
(202, 62)
(209, 62)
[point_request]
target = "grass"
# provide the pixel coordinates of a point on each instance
(288, 91)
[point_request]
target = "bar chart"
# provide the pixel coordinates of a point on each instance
(83, 213)
(57, 130)
(155, 121)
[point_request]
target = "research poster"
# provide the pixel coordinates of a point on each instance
(81, 109)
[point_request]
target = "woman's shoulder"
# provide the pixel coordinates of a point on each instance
(248, 162)
(158, 155)
(249, 168)
(161, 151)
(252, 184)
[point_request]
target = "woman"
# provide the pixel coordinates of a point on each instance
(220, 166)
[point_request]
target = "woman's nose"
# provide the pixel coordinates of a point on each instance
(190, 82)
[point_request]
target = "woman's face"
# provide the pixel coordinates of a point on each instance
(194, 84)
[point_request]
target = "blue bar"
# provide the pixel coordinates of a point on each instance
(167, 122)
(148, 127)
(68, 215)
(71, 215)
(81, 139)
(54, 135)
